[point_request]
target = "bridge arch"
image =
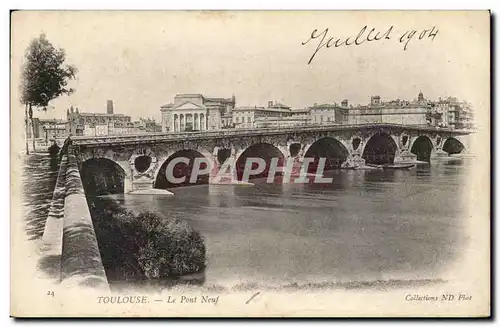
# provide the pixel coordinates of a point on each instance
(423, 147)
(380, 148)
(453, 146)
(328, 147)
(261, 150)
(102, 176)
(162, 177)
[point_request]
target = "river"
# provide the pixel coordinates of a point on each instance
(365, 226)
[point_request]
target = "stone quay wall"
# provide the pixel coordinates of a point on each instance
(69, 232)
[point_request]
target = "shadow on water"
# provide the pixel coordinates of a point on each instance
(38, 181)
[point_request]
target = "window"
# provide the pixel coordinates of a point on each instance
(248, 119)
(237, 119)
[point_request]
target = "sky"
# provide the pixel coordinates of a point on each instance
(141, 60)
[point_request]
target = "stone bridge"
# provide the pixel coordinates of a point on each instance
(137, 162)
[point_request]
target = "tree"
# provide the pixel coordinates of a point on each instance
(44, 77)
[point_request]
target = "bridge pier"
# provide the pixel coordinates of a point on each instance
(437, 150)
(405, 157)
(438, 153)
(355, 157)
(128, 185)
(355, 153)
(354, 161)
(141, 183)
(225, 173)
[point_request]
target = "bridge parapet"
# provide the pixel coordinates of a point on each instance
(349, 142)
(158, 137)
(69, 234)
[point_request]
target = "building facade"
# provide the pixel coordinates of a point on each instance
(254, 116)
(84, 123)
(329, 113)
(47, 129)
(391, 112)
(451, 113)
(195, 112)
(277, 122)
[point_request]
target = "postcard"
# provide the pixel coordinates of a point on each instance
(250, 164)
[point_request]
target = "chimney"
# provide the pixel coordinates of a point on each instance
(269, 104)
(109, 107)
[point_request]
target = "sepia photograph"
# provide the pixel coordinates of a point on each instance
(250, 163)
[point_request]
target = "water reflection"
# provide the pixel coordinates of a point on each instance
(38, 181)
(222, 196)
(366, 225)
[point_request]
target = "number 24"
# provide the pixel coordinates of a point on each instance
(50, 293)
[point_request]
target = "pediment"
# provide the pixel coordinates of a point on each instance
(188, 106)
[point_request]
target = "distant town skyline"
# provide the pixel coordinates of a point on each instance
(142, 60)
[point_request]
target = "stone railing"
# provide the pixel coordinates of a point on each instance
(52, 235)
(69, 232)
(81, 262)
(155, 137)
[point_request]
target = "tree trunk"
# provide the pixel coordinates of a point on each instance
(26, 125)
(30, 111)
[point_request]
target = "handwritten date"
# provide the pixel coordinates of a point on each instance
(365, 35)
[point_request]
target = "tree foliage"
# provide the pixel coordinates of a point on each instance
(141, 245)
(45, 75)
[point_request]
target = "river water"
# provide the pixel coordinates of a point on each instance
(365, 226)
(39, 175)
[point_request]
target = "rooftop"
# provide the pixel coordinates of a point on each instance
(100, 114)
(324, 105)
(52, 120)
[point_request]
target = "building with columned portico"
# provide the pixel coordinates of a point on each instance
(195, 112)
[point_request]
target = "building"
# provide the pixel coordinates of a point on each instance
(84, 123)
(92, 124)
(439, 114)
(450, 113)
(281, 122)
(459, 113)
(247, 116)
(329, 113)
(48, 128)
(96, 129)
(195, 112)
(146, 125)
(391, 112)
